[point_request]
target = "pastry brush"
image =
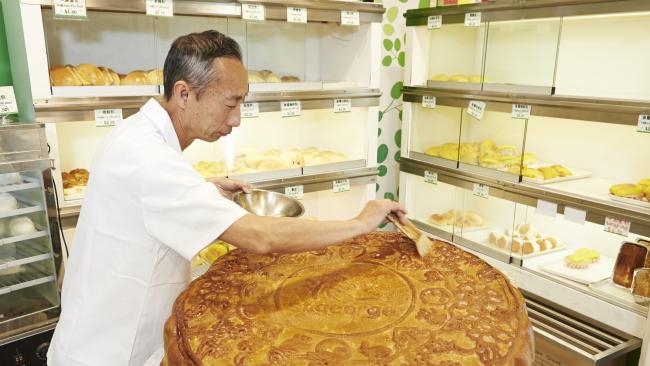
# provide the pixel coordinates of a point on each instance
(422, 242)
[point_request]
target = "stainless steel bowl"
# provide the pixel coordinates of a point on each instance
(268, 203)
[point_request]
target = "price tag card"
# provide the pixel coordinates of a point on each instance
(617, 226)
(7, 101)
(342, 105)
(473, 19)
(70, 8)
(428, 101)
(252, 12)
(481, 190)
(644, 123)
(521, 111)
(249, 110)
(476, 109)
(290, 109)
(160, 8)
(296, 15)
(546, 208)
(430, 177)
(350, 17)
(296, 192)
(107, 117)
(575, 215)
(341, 185)
(434, 22)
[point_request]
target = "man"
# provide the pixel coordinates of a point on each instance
(147, 212)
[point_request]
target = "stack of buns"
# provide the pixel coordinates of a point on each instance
(465, 219)
(525, 239)
(75, 181)
(267, 76)
(7, 179)
(253, 160)
(89, 74)
(639, 191)
(209, 169)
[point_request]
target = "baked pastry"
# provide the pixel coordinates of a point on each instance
(111, 76)
(532, 173)
(459, 78)
(64, 76)
(91, 75)
(530, 247)
(440, 77)
(269, 76)
(630, 257)
(21, 226)
(290, 79)
(155, 77)
(475, 79)
(255, 77)
(134, 78)
(7, 202)
(562, 171)
(645, 181)
(548, 172)
(641, 285)
(627, 190)
(507, 150)
(577, 262)
(320, 308)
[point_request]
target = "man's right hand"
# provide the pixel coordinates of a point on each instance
(375, 212)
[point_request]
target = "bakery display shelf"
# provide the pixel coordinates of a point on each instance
(433, 160)
(25, 207)
(22, 280)
(489, 172)
(576, 174)
(630, 201)
(608, 289)
(588, 194)
(310, 183)
(445, 233)
(518, 10)
(616, 111)
(105, 91)
(19, 238)
(26, 256)
(596, 272)
(28, 183)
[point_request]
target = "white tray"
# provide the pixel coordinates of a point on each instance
(577, 174)
(596, 272)
(630, 201)
(606, 287)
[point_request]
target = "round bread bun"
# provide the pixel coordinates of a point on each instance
(627, 190)
(91, 74)
(21, 226)
(267, 165)
(155, 77)
(272, 78)
(290, 79)
(10, 178)
(7, 202)
(134, 78)
(63, 76)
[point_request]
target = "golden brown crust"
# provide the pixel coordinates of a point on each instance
(369, 301)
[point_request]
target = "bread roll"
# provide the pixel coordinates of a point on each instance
(290, 79)
(7, 202)
(272, 78)
(255, 77)
(91, 74)
(63, 76)
(155, 77)
(134, 78)
(10, 178)
(627, 190)
(530, 247)
(21, 226)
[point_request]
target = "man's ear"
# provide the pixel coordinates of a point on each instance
(182, 91)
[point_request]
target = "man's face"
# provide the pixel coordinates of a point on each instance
(216, 112)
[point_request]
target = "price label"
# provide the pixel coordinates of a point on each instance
(341, 185)
(296, 15)
(249, 110)
(252, 11)
(160, 8)
(290, 109)
(473, 19)
(429, 101)
(434, 22)
(617, 226)
(476, 109)
(342, 105)
(430, 177)
(296, 192)
(644, 123)
(107, 117)
(7, 101)
(349, 17)
(521, 111)
(575, 215)
(546, 208)
(70, 8)
(481, 190)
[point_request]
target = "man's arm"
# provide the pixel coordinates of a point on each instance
(263, 235)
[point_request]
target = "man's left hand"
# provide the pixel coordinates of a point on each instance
(228, 187)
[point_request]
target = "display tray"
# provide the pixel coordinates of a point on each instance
(15, 239)
(23, 279)
(630, 201)
(482, 238)
(577, 174)
(25, 207)
(296, 86)
(28, 183)
(596, 272)
(11, 263)
(106, 91)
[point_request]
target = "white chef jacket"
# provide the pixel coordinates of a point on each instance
(146, 213)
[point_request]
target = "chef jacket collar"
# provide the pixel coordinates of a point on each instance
(160, 119)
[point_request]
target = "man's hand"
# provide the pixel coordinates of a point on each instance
(375, 212)
(228, 187)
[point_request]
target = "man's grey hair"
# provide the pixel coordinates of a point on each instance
(191, 57)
